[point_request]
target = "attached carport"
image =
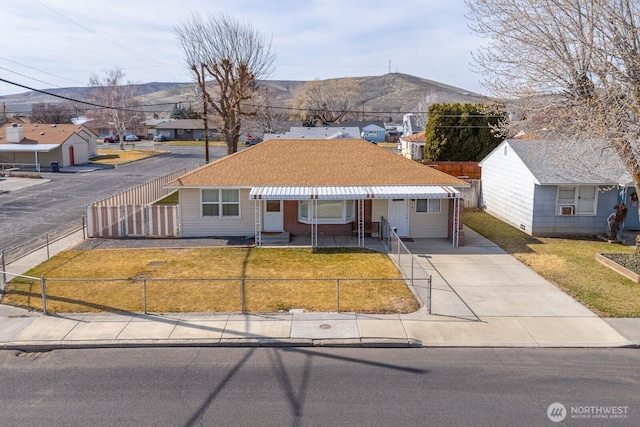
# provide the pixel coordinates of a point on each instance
(27, 148)
(356, 193)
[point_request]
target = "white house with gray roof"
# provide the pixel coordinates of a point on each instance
(552, 188)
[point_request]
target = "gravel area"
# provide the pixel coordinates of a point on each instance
(133, 243)
(628, 261)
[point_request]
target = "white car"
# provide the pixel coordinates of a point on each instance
(131, 138)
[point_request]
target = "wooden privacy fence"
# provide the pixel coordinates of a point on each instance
(133, 214)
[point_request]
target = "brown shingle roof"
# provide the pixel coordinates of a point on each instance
(42, 134)
(319, 162)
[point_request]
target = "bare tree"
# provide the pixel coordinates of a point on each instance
(56, 113)
(121, 111)
(227, 59)
(422, 108)
(327, 100)
(266, 117)
(574, 66)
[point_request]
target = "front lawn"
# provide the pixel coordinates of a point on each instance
(568, 263)
(110, 156)
(114, 289)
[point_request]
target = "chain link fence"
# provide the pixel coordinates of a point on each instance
(10, 255)
(407, 263)
(257, 295)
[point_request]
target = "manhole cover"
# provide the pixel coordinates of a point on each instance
(325, 326)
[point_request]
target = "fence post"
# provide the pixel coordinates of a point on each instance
(337, 295)
(47, 245)
(429, 295)
(242, 289)
(144, 294)
(4, 268)
(43, 290)
(412, 269)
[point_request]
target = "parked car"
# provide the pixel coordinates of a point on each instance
(131, 138)
(111, 138)
(160, 138)
(252, 140)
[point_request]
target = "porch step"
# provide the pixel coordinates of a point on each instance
(275, 239)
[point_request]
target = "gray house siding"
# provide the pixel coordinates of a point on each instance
(508, 188)
(546, 222)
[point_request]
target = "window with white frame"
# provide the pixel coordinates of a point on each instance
(329, 211)
(428, 205)
(576, 200)
(221, 202)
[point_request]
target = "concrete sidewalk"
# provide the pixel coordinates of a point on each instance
(482, 297)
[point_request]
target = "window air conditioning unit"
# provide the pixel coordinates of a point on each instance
(565, 210)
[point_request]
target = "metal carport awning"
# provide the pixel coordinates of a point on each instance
(29, 148)
(353, 192)
(359, 193)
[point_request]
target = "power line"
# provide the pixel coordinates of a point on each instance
(96, 34)
(40, 71)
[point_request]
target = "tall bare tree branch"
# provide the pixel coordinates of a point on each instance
(227, 59)
(573, 66)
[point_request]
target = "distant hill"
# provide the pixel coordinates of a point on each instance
(389, 95)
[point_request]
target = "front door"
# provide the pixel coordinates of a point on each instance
(273, 218)
(399, 216)
(72, 160)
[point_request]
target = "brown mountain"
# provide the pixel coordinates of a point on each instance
(389, 95)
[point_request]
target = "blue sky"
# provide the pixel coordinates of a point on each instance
(60, 43)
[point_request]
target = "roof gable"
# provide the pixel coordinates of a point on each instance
(320, 162)
(571, 162)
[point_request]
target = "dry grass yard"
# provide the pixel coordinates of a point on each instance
(115, 287)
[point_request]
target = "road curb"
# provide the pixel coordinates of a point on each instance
(36, 346)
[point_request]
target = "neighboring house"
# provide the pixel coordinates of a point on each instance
(33, 145)
(412, 146)
(277, 185)
(325, 132)
(410, 125)
(555, 188)
(182, 130)
(373, 133)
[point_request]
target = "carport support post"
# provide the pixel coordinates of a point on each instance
(43, 289)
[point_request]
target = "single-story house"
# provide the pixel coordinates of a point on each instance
(33, 145)
(412, 146)
(182, 130)
(324, 132)
(373, 133)
(553, 188)
(313, 187)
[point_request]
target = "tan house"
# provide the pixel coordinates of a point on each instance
(33, 145)
(313, 187)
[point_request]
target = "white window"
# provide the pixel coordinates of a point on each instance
(428, 205)
(578, 200)
(221, 203)
(329, 211)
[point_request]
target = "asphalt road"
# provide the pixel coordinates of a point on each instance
(311, 386)
(59, 205)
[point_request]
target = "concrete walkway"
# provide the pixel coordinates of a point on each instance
(481, 297)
